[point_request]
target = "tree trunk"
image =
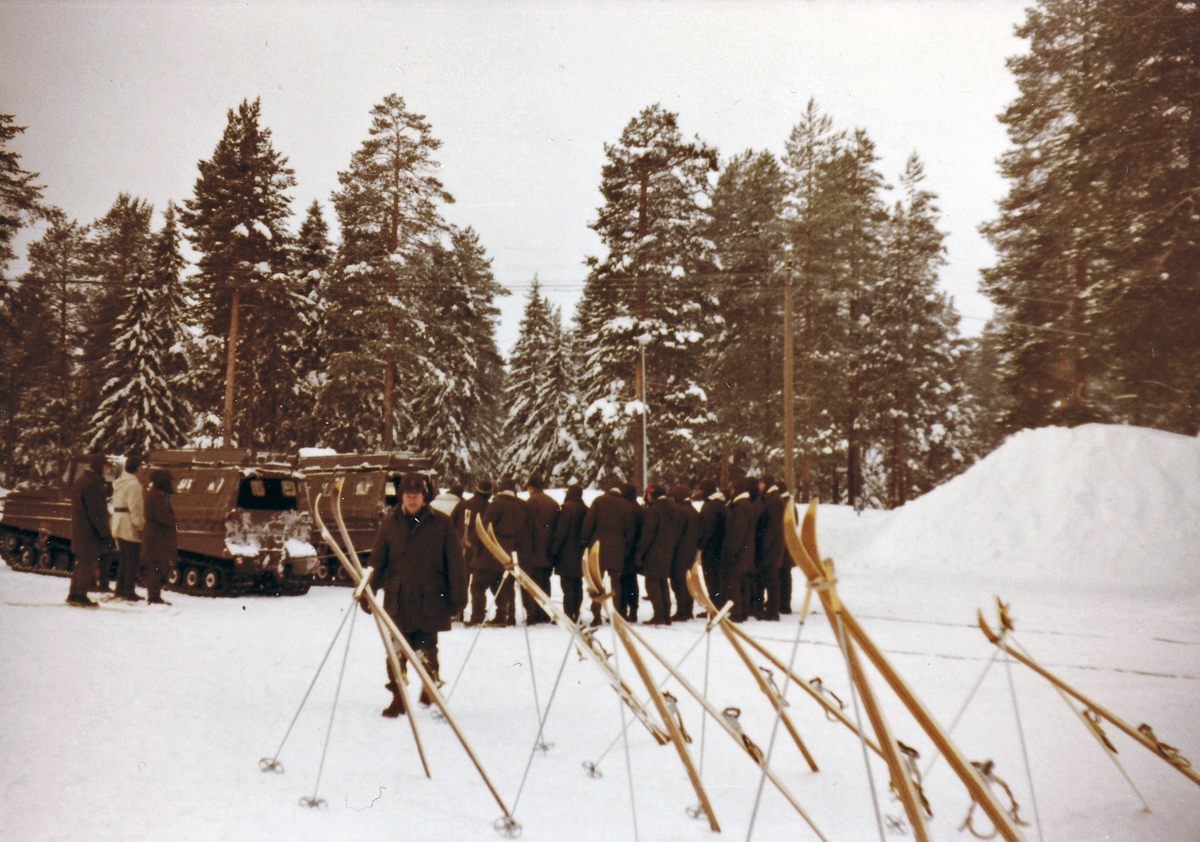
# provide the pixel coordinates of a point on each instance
(231, 365)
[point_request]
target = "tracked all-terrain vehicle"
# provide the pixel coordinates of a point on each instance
(367, 495)
(35, 525)
(244, 523)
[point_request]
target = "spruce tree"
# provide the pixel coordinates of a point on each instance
(20, 194)
(138, 411)
(312, 259)
(236, 219)
(538, 434)
(647, 294)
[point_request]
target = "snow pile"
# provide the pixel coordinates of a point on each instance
(1097, 505)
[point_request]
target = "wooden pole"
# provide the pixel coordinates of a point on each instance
(231, 364)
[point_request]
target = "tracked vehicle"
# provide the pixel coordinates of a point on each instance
(367, 495)
(244, 523)
(35, 525)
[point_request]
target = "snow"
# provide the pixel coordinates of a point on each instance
(295, 548)
(148, 723)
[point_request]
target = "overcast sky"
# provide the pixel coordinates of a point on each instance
(129, 97)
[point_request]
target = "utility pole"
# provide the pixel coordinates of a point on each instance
(389, 382)
(231, 364)
(789, 403)
(639, 374)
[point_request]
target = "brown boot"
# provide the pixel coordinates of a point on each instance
(396, 708)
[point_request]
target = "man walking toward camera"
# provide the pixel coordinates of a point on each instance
(419, 568)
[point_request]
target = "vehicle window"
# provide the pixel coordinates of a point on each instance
(288, 487)
(184, 484)
(266, 494)
(215, 485)
(362, 488)
(258, 488)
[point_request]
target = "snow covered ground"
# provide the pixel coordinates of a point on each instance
(148, 723)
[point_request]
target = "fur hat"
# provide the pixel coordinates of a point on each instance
(412, 484)
(484, 487)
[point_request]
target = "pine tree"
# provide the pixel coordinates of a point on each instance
(810, 221)
(388, 210)
(49, 419)
(646, 295)
(20, 203)
(538, 433)
(237, 219)
(138, 411)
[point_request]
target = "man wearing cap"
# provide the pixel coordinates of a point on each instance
(661, 530)
(90, 533)
(544, 510)
(566, 550)
(737, 550)
(610, 521)
(512, 523)
(420, 570)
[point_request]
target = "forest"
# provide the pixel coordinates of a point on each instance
(369, 322)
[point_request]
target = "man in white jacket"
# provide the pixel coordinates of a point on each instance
(127, 523)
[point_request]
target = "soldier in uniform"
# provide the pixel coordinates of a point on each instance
(487, 574)
(737, 550)
(627, 592)
(685, 553)
(544, 511)
(90, 533)
(712, 537)
(420, 570)
(511, 522)
(610, 521)
(661, 530)
(566, 550)
(774, 553)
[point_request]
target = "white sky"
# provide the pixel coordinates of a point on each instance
(128, 97)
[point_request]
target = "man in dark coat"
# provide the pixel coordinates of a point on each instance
(544, 510)
(610, 520)
(487, 573)
(756, 488)
(737, 550)
(685, 553)
(566, 550)
(420, 570)
(627, 592)
(90, 533)
(661, 530)
(511, 521)
(774, 553)
(160, 538)
(712, 537)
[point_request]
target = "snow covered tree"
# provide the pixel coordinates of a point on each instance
(138, 411)
(388, 209)
(457, 383)
(236, 219)
(48, 420)
(745, 357)
(646, 294)
(919, 415)
(540, 423)
(20, 203)
(117, 255)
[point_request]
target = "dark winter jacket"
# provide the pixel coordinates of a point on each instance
(160, 538)
(90, 532)
(420, 569)
(511, 521)
(712, 529)
(477, 557)
(566, 548)
(661, 531)
(629, 493)
(770, 530)
(689, 541)
(610, 520)
(737, 550)
(545, 513)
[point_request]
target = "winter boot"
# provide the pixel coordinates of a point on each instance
(396, 708)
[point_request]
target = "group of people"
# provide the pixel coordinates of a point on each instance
(142, 531)
(431, 565)
(739, 537)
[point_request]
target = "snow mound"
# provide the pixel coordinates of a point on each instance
(1097, 505)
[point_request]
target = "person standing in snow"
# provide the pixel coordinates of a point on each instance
(662, 528)
(512, 522)
(127, 523)
(772, 549)
(544, 510)
(712, 536)
(685, 553)
(627, 591)
(90, 533)
(450, 503)
(160, 540)
(737, 550)
(419, 568)
(487, 573)
(610, 520)
(566, 550)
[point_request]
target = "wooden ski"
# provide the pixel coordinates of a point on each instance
(586, 644)
(402, 644)
(698, 588)
(820, 574)
(1143, 734)
(621, 626)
